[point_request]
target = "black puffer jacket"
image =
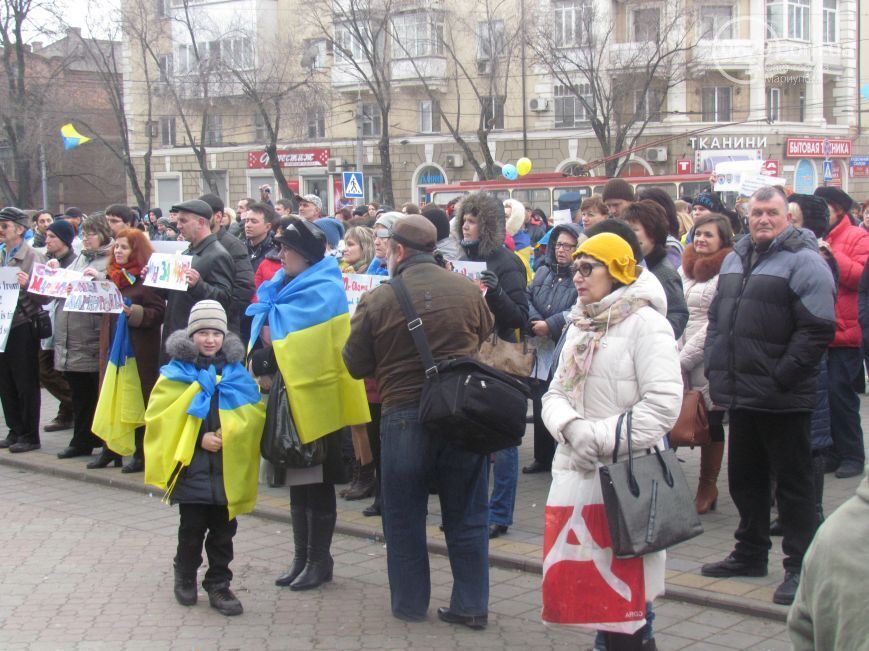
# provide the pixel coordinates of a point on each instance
(202, 481)
(552, 292)
(769, 324)
(677, 308)
(509, 304)
(242, 278)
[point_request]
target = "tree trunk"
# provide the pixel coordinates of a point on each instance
(275, 165)
(386, 161)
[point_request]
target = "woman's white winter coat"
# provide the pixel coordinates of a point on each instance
(698, 296)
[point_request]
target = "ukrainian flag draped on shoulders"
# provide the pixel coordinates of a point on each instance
(121, 405)
(309, 324)
(180, 402)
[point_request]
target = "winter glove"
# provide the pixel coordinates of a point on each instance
(581, 440)
(490, 280)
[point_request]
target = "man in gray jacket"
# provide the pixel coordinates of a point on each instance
(211, 275)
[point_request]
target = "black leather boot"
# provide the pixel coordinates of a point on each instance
(137, 463)
(185, 588)
(318, 570)
(106, 458)
(299, 517)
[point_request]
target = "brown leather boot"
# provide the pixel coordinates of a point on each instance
(710, 465)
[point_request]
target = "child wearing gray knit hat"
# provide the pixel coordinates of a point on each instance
(206, 315)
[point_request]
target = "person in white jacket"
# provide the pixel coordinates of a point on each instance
(619, 356)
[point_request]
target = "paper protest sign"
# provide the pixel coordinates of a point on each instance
(561, 217)
(50, 281)
(9, 293)
(170, 247)
(751, 183)
(95, 297)
(471, 270)
(168, 270)
(355, 286)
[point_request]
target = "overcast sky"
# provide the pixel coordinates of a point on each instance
(91, 16)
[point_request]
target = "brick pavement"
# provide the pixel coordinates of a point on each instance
(90, 569)
(521, 547)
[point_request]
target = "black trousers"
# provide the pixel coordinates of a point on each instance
(544, 444)
(762, 445)
(197, 520)
(85, 394)
(374, 442)
(19, 384)
(317, 497)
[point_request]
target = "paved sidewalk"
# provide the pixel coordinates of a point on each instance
(521, 547)
(90, 568)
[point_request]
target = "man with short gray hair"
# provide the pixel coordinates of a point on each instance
(769, 325)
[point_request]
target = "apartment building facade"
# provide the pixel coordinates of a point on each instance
(777, 80)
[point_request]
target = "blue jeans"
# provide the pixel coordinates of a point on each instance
(504, 491)
(844, 367)
(412, 460)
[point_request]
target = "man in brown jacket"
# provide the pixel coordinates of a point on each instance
(456, 320)
(19, 364)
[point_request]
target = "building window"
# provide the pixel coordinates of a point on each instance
(493, 111)
(167, 132)
(802, 106)
(237, 53)
(165, 67)
(419, 34)
(491, 40)
(429, 116)
(316, 51)
(213, 130)
(348, 46)
(773, 104)
(315, 123)
(185, 59)
(261, 131)
(647, 25)
(571, 17)
(788, 19)
(370, 120)
(716, 104)
(647, 105)
(569, 110)
(716, 21)
(830, 10)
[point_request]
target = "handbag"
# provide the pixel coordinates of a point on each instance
(692, 426)
(472, 405)
(41, 324)
(647, 501)
(513, 358)
(280, 444)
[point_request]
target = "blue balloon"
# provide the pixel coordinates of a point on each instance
(510, 172)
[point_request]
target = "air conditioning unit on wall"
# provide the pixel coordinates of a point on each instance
(538, 104)
(656, 154)
(455, 160)
(334, 163)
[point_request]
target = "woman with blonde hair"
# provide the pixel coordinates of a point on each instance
(358, 250)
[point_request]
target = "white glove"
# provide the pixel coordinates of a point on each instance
(581, 440)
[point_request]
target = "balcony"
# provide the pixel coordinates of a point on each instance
(407, 72)
(721, 54)
(346, 76)
(787, 54)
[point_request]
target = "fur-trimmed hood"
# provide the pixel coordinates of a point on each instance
(516, 220)
(490, 215)
(702, 267)
(179, 346)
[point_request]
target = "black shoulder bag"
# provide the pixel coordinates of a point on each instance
(472, 405)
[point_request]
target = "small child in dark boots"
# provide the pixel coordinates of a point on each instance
(202, 446)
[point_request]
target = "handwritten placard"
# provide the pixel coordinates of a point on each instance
(471, 270)
(94, 297)
(356, 285)
(9, 293)
(561, 217)
(168, 271)
(52, 281)
(751, 183)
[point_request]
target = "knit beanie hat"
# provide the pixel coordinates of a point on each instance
(816, 213)
(63, 230)
(439, 218)
(206, 315)
(708, 201)
(332, 228)
(614, 252)
(618, 189)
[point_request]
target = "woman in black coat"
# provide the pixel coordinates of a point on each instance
(650, 225)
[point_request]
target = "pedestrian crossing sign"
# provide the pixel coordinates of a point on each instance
(828, 170)
(353, 185)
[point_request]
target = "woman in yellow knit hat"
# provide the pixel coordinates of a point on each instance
(619, 356)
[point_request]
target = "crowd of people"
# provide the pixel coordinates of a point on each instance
(637, 299)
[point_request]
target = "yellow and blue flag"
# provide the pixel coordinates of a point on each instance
(180, 402)
(309, 324)
(71, 137)
(121, 406)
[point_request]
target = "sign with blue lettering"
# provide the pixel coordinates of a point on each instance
(828, 171)
(354, 185)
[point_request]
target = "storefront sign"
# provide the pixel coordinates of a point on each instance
(859, 167)
(815, 148)
(727, 142)
(772, 167)
(258, 160)
(683, 166)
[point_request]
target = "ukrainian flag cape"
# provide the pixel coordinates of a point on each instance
(309, 324)
(121, 406)
(178, 404)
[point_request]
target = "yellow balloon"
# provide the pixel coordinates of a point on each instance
(524, 166)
